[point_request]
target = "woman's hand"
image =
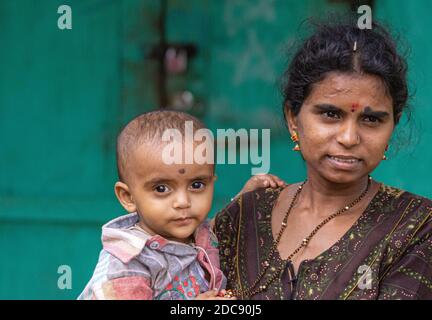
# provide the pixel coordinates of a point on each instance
(262, 181)
(214, 295)
(256, 182)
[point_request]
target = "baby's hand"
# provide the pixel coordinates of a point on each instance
(213, 295)
(262, 181)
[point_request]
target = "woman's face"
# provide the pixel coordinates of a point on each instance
(344, 126)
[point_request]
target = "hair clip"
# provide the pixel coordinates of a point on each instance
(355, 46)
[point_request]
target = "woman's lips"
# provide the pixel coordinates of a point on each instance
(344, 162)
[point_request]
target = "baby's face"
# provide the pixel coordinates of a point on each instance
(172, 200)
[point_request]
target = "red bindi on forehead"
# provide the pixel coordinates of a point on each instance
(354, 107)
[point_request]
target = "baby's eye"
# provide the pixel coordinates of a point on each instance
(197, 185)
(161, 188)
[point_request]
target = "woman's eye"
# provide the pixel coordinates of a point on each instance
(197, 185)
(161, 188)
(331, 114)
(372, 119)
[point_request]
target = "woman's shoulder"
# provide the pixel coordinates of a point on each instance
(260, 196)
(239, 217)
(413, 210)
(247, 204)
(401, 195)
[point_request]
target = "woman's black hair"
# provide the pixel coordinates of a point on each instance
(330, 49)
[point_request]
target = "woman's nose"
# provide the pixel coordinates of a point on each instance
(348, 134)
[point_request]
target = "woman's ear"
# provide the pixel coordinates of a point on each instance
(291, 120)
(124, 196)
(398, 116)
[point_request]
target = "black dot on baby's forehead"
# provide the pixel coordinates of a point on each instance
(182, 171)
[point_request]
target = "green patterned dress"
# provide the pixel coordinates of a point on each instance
(386, 254)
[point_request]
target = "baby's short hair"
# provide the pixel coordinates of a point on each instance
(149, 127)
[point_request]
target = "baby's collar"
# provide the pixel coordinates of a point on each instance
(124, 239)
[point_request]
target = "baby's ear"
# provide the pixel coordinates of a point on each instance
(124, 196)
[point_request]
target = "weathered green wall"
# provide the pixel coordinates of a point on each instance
(65, 94)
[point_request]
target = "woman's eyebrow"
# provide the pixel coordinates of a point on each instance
(368, 111)
(327, 107)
